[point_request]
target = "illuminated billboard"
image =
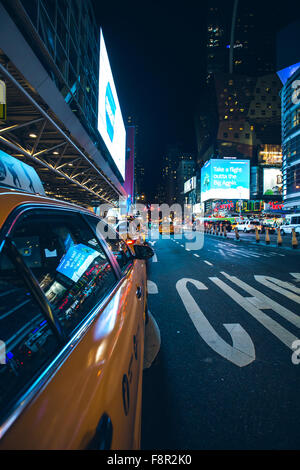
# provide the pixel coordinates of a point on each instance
(190, 184)
(225, 179)
(110, 121)
(272, 181)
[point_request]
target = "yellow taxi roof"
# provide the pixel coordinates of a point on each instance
(11, 199)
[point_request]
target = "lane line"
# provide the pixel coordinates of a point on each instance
(207, 262)
(197, 256)
(152, 287)
(282, 311)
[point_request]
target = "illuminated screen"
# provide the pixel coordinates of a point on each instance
(76, 261)
(225, 179)
(110, 121)
(190, 184)
(272, 181)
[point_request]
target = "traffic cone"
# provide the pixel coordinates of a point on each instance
(279, 237)
(267, 237)
(294, 239)
(256, 235)
(221, 230)
(237, 236)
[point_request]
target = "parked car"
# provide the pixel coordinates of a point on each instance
(292, 222)
(246, 226)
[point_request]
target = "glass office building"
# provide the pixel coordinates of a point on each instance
(290, 97)
(68, 30)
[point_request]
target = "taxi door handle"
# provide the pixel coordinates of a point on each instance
(103, 435)
(139, 292)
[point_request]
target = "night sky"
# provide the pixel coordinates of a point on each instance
(157, 55)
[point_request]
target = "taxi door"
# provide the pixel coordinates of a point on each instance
(89, 393)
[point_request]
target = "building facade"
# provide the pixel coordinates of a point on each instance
(290, 96)
(52, 98)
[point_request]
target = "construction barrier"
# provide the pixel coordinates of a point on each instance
(294, 239)
(267, 236)
(279, 237)
(256, 235)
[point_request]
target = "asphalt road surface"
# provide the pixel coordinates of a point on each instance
(227, 374)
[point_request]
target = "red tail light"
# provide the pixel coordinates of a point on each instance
(130, 242)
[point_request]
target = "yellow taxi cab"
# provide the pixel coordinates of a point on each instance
(73, 300)
(166, 227)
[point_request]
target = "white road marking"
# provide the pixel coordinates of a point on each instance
(154, 258)
(242, 351)
(197, 256)
(207, 262)
(282, 311)
(152, 287)
(296, 276)
(275, 328)
(221, 252)
(187, 249)
(280, 286)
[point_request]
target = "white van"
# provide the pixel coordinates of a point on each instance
(292, 221)
(246, 226)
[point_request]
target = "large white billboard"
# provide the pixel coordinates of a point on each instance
(272, 181)
(110, 121)
(225, 179)
(190, 184)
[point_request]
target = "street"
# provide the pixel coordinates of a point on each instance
(224, 378)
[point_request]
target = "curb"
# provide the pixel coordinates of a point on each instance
(152, 341)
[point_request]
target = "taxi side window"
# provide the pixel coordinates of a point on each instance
(68, 262)
(116, 244)
(29, 344)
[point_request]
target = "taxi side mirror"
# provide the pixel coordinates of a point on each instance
(143, 252)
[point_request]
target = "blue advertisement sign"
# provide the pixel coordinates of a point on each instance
(110, 111)
(76, 261)
(225, 179)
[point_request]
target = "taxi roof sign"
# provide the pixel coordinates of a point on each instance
(18, 175)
